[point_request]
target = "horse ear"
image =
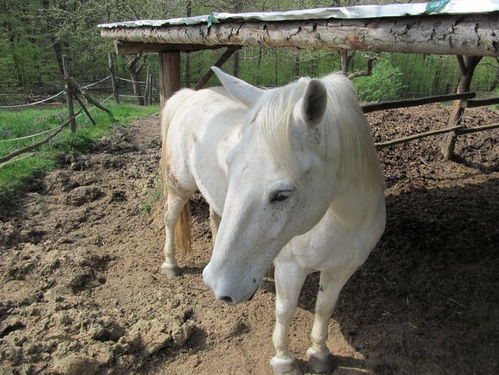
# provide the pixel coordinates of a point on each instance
(314, 103)
(237, 88)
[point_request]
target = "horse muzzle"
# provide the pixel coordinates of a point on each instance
(227, 290)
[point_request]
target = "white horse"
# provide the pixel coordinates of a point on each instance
(292, 177)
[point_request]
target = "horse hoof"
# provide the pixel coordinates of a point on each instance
(169, 270)
(320, 362)
(285, 366)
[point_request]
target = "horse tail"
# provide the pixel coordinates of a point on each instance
(183, 230)
(183, 226)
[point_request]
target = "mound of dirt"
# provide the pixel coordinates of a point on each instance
(81, 291)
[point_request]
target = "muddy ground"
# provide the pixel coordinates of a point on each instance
(81, 292)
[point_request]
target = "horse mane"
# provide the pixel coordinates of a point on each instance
(343, 126)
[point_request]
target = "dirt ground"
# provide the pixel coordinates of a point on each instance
(81, 292)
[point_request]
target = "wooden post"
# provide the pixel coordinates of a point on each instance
(467, 67)
(69, 94)
(84, 107)
(110, 58)
(75, 86)
(169, 74)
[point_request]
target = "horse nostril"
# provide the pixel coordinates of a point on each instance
(226, 299)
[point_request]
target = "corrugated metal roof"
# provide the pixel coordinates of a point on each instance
(442, 7)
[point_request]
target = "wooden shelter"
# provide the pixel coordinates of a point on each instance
(455, 27)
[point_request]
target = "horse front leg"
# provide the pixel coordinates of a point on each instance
(288, 281)
(173, 208)
(331, 282)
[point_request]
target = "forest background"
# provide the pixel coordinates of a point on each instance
(35, 34)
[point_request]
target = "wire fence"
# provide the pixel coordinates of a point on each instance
(94, 86)
(73, 91)
(34, 103)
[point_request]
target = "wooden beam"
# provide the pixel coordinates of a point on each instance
(227, 54)
(417, 136)
(75, 86)
(474, 34)
(133, 48)
(169, 75)
(415, 102)
(459, 130)
(480, 102)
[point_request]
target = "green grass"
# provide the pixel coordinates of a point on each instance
(17, 175)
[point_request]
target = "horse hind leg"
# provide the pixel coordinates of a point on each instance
(173, 208)
(320, 359)
(289, 280)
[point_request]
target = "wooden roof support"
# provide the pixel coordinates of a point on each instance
(227, 54)
(474, 34)
(169, 75)
(133, 48)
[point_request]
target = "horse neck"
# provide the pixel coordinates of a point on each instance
(356, 204)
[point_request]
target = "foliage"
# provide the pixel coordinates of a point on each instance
(384, 84)
(18, 175)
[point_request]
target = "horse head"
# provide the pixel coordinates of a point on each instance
(282, 175)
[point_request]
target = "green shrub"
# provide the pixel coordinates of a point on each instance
(385, 83)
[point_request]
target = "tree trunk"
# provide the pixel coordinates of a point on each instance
(136, 89)
(346, 58)
(296, 70)
(461, 34)
(467, 67)
(134, 68)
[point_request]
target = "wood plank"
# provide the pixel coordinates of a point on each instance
(480, 102)
(404, 103)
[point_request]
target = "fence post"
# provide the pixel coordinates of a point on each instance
(110, 58)
(69, 94)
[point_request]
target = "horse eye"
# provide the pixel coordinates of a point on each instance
(279, 196)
